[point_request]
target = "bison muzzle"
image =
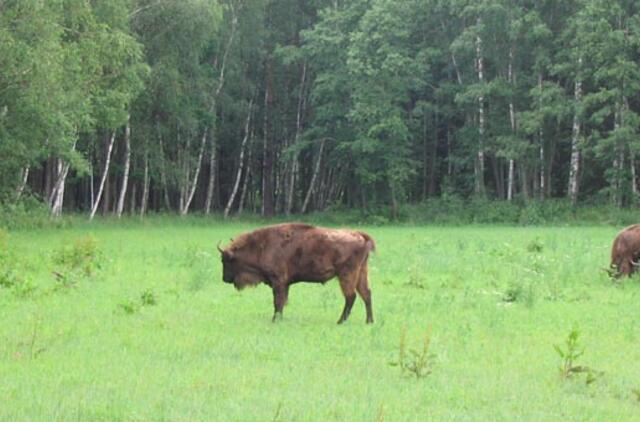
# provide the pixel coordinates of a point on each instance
(285, 254)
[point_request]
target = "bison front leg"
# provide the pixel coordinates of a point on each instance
(280, 294)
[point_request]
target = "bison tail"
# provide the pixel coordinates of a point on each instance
(371, 244)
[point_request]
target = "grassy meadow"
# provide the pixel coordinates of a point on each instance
(132, 321)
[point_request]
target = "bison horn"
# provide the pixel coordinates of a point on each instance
(635, 263)
(219, 248)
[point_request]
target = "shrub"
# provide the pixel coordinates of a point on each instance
(148, 298)
(28, 213)
(570, 354)
(414, 361)
(82, 256)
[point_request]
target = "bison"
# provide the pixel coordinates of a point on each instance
(625, 252)
(284, 254)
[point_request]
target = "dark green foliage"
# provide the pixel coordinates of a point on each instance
(468, 111)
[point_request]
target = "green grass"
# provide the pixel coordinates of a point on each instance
(154, 334)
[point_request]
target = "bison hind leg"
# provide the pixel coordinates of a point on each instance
(365, 293)
(348, 285)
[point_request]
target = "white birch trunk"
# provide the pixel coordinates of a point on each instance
(449, 161)
(312, 184)
(185, 177)
(163, 176)
(634, 177)
(145, 186)
(574, 168)
(511, 181)
(294, 169)
(57, 183)
(57, 193)
(213, 150)
(232, 197)
(479, 168)
(543, 168)
(245, 184)
(512, 120)
(212, 172)
(23, 182)
(127, 163)
(94, 206)
(191, 185)
(56, 210)
(132, 198)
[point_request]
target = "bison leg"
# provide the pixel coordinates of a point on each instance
(348, 286)
(365, 293)
(626, 268)
(280, 294)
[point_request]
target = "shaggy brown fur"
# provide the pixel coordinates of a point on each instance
(284, 254)
(625, 251)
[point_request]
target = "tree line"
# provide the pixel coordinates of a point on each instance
(293, 106)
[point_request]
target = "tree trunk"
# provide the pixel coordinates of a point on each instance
(232, 197)
(245, 184)
(543, 170)
(145, 184)
(498, 176)
(127, 163)
(23, 183)
(512, 121)
(449, 152)
(433, 156)
(296, 138)
(313, 178)
(58, 198)
(221, 79)
(132, 198)
(511, 180)
(425, 157)
(574, 168)
(163, 169)
(479, 167)
(57, 193)
(190, 186)
(267, 155)
(634, 178)
(212, 172)
(524, 181)
(105, 172)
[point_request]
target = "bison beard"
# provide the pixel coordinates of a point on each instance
(285, 254)
(625, 252)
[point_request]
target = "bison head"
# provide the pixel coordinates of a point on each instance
(236, 272)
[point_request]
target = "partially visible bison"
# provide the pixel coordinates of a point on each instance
(283, 254)
(625, 252)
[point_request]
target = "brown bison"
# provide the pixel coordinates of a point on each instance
(284, 254)
(625, 252)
